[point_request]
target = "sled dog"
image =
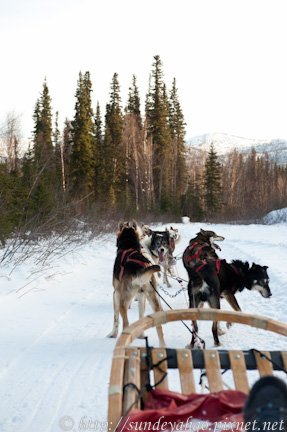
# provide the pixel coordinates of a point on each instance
(132, 276)
(214, 279)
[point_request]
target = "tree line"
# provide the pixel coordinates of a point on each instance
(236, 187)
(126, 164)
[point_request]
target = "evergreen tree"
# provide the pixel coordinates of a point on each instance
(99, 151)
(42, 191)
(177, 128)
(114, 155)
(67, 152)
(157, 115)
(42, 143)
(133, 105)
(212, 183)
(58, 155)
(82, 168)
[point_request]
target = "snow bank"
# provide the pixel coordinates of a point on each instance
(276, 216)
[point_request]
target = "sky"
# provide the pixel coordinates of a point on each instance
(229, 58)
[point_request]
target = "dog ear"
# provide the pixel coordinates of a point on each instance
(265, 267)
(146, 230)
(121, 224)
(134, 224)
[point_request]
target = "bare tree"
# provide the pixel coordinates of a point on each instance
(11, 141)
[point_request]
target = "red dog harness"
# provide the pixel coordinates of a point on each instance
(217, 265)
(129, 255)
(196, 255)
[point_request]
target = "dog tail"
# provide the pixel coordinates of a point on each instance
(151, 269)
(146, 273)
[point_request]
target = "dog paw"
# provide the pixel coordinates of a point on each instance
(112, 335)
(217, 344)
(220, 331)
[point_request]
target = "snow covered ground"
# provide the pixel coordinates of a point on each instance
(55, 357)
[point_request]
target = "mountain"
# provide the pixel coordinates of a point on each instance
(224, 143)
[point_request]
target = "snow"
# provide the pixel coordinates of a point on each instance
(276, 216)
(55, 356)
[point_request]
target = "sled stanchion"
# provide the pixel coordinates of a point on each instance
(185, 367)
(212, 367)
(132, 379)
(264, 366)
(160, 368)
(239, 371)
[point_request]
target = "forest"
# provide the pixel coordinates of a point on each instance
(132, 161)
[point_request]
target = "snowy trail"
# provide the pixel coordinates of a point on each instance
(55, 357)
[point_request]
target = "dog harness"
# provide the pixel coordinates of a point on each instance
(197, 248)
(217, 265)
(131, 255)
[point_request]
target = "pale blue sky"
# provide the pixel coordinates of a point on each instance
(229, 57)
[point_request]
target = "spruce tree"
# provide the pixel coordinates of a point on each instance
(42, 191)
(99, 151)
(67, 152)
(133, 105)
(177, 130)
(212, 183)
(157, 115)
(82, 168)
(42, 142)
(58, 156)
(114, 156)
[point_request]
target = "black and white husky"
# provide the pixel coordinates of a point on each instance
(161, 245)
(214, 279)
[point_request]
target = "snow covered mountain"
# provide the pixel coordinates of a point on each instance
(224, 143)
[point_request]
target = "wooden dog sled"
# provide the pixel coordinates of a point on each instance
(130, 370)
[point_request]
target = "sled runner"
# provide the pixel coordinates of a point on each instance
(131, 391)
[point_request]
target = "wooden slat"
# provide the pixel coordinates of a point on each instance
(144, 372)
(238, 366)
(157, 355)
(185, 367)
(264, 366)
(213, 373)
(132, 376)
(116, 386)
(284, 358)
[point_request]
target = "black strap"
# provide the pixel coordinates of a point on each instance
(270, 360)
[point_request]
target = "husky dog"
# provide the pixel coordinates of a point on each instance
(201, 248)
(161, 245)
(214, 279)
(132, 276)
